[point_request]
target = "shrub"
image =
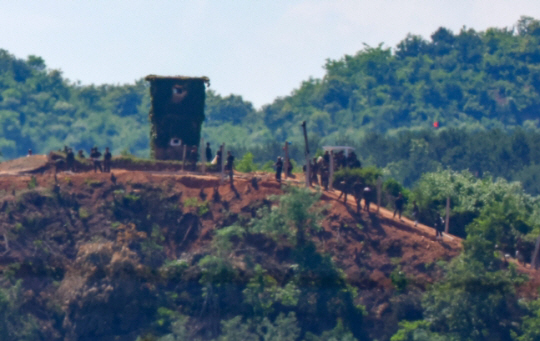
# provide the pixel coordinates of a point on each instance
(246, 165)
(83, 213)
(399, 279)
(367, 175)
(33, 183)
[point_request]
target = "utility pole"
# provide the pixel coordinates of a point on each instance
(307, 154)
(286, 148)
(184, 158)
(535, 254)
(379, 194)
(222, 164)
(447, 221)
(331, 175)
(202, 150)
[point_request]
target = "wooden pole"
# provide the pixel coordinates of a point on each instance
(203, 155)
(184, 158)
(535, 254)
(286, 148)
(447, 221)
(379, 194)
(221, 179)
(331, 175)
(307, 153)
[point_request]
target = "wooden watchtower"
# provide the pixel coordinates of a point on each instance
(176, 115)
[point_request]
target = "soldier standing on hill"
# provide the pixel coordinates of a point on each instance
(107, 158)
(194, 156)
(368, 197)
(325, 177)
(439, 227)
(80, 154)
(352, 161)
(95, 155)
(345, 189)
(219, 157)
(314, 169)
(230, 164)
(208, 152)
(289, 168)
(399, 205)
(341, 160)
(357, 191)
(326, 158)
(520, 255)
(279, 168)
(70, 160)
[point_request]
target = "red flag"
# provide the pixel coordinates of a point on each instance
(436, 124)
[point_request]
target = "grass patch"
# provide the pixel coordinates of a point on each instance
(83, 213)
(93, 182)
(201, 207)
(33, 183)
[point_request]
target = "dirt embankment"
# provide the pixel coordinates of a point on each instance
(69, 240)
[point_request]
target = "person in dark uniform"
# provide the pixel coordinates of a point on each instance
(107, 157)
(80, 154)
(520, 254)
(368, 197)
(230, 164)
(70, 160)
(314, 169)
(439, 227)
(325, 175)
(194, 157)
(399, 205)
(219, 158)
(95, 155)
(29, 152)
(289, 168)
(352, 161)
(326, 158)
(208, 152)
(345, 188)
(341, 160)
(279, 168)
(357, 192)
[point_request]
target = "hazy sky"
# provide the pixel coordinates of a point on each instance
(254, 48)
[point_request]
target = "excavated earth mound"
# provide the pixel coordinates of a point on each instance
(23, 165)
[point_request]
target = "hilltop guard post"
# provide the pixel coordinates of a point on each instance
(176, 115)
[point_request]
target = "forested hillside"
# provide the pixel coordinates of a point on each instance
(42, 110)
(383, 101)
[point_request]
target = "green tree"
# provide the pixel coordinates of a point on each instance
(531, 323)
(15, 323)
(246, 165)
(472, 302)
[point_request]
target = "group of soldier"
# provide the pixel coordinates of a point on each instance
(95, 156)
(229, 165)
(279, 168)
(320, 167)
(359, 191)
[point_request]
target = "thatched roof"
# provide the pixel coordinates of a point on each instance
(152, 78)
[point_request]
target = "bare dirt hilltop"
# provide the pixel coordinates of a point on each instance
(23, 165)
(88, 243)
